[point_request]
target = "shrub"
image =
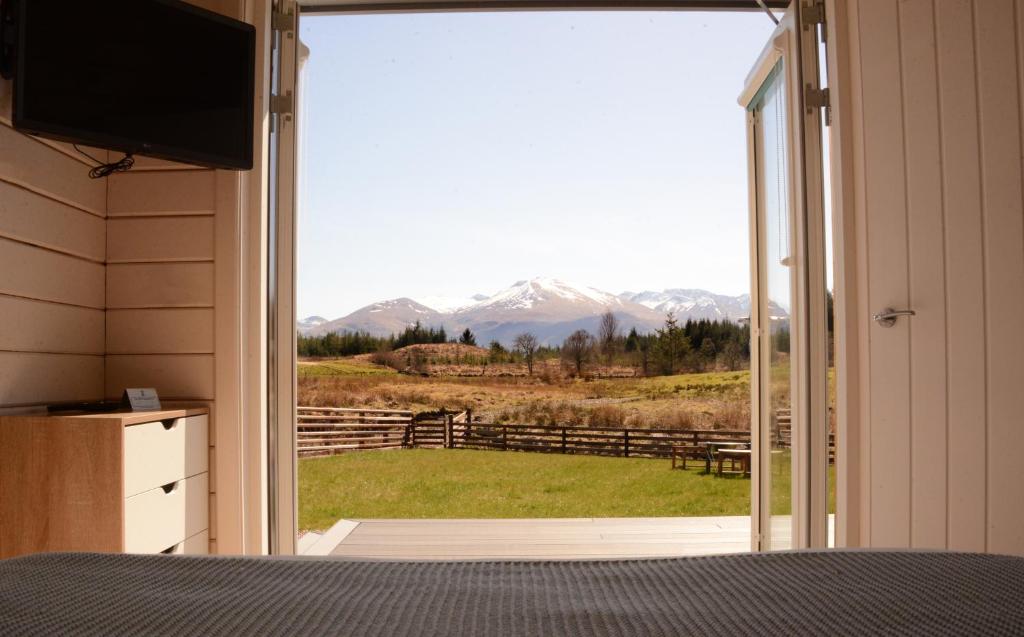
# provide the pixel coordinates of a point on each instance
(608, 416)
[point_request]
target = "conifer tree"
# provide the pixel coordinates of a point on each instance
(673, 344)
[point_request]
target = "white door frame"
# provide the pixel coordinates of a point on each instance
(281, 395)
(282, 463)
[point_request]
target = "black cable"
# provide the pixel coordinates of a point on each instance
(105, 169)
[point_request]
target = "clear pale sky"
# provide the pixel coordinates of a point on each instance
(454, 154)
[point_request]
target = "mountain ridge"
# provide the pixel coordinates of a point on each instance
(549, 308)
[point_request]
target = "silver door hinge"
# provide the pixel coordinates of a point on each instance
(818, 98)
(281, 104)
(812, 13)
(281, 21)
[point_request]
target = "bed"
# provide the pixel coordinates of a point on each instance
(801, 592)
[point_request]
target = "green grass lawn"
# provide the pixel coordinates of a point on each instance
(342, 367)
(462, 483)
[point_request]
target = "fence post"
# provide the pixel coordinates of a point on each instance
(449, 441)
(504, 438)
(563, 439)
(625, 440)
(411, 430)
(469, 415)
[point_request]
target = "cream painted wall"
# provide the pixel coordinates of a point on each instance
(929, 142)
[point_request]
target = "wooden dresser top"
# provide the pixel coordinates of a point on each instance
(123, 417)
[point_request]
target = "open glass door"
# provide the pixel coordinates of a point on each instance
(788, 363)
(286, 59)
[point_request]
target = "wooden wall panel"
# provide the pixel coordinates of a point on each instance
(886, 239)
(926, 257)
(1003, 236)
(965, 281)
(175, 376)
(32, 379)
(37, 273)
(140, 239)
(34, 165)
(151, 285)
(52, 283)
(39, 326)
(33, 218)
(166, 192)
(163, 331)
(939, 184)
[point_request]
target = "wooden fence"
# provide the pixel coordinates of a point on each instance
(329, 430)
(605, 441)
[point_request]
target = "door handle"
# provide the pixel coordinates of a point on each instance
(888, 316)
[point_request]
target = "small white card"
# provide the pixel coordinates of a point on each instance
(142, 399)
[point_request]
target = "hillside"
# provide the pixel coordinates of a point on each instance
(443, 351)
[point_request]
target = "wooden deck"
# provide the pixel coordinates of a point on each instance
(575, 538)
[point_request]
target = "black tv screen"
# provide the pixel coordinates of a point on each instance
(151, 77)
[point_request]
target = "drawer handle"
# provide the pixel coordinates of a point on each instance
(171, 487)
(170, 423)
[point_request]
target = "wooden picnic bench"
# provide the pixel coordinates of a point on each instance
(691, 452)
(707, 451)
(734, 456)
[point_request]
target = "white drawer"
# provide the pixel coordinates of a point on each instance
(198, 544)
(162, 517)
(160, 452)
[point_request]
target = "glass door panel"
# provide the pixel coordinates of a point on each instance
(776, 306)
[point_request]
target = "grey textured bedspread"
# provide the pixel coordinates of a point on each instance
(797, 593)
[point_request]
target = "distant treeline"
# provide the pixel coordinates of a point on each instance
(359, 342)
(694, 346)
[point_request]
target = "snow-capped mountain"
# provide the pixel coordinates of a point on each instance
(695, 304)
(383, 318)
(549, 308)
(447, 304)
(544, 295)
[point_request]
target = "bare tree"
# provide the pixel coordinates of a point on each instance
(526, 344)
(732, 354)
(608, 335)
(578, 348)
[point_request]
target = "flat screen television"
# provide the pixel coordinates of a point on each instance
(160, 78)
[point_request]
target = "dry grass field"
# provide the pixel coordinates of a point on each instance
(714, 400)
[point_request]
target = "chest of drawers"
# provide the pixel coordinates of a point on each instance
(114, 482)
